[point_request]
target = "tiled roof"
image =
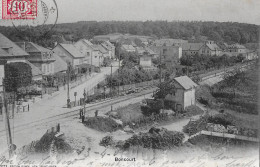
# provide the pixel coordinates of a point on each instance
(213, 46)
(140, 50)
(102, 49)
(35, 71)
(185, 82)
(32, 47)
(87, 42)
(128, 47)
(59, 64)
(169, 42)
(192, 46)
(236, 46)
(150, 51)
(7, 43)
(4, 53)
(72, 50)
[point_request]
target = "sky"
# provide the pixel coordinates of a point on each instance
(243, 11)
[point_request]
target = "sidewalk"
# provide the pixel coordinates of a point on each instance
(53, 105)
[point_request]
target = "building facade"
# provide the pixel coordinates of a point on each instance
(184, 93)
(39, 56)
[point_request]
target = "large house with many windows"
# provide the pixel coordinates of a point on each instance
(39, 56)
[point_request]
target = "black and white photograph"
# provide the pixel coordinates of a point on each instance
(129, 83)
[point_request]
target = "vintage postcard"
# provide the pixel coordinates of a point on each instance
(129, 83)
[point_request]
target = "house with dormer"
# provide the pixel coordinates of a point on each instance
(39, 56)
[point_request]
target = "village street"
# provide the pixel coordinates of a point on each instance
(55, 105)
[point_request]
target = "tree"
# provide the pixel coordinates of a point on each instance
(17, 75)
(165, 88)
(234, 78)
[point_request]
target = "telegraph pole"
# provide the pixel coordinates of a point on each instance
(68, 90)
(7, 123)
(160, 66)
(118, 70)
(111, 80)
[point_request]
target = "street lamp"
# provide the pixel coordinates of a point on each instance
(84, 94)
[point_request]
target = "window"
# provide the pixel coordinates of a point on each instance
(43, 68)
(164, 51)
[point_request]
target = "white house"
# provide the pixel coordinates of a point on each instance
(184, 93)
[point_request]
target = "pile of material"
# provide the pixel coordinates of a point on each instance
(195, 126)
(106, 141)
(156, 138)
(102, 124)
(44, 144)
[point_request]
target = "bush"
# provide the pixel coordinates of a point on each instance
(156, 139)
(221, 119)
(43, 145)
(106, 141)
(102, 124)
(153, 107)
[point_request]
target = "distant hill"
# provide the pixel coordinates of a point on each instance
(229, 32)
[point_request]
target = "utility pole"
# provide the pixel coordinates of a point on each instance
(84, 94)
(7, 123)
(68, 90)
(160, 66)
(111, 81)
(118, 70)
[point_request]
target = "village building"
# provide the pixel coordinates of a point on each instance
(85, 47)
(127, 48)
(39, 56)
(70, 54)
(168, 52)
(169, 42)
(184, 93)
(146, 59)
(60, 66)
(91, 52)
(10, 52)
(210, 48)
(236, 48)
(110, 47)
(191, 49)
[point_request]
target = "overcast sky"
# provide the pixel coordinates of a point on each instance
(247, 11)
(244, 11)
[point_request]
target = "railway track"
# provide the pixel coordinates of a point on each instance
(96, 106)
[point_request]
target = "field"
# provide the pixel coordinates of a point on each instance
(241, 98)
(129, 113)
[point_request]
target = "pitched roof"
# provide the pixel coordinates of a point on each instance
(236, 46)
(102, 49)
(213, 46)
(59, 64)
(72, 50)
(4, 53)
(7, 43)
(32, 47)
(185, 82)
(140, 50)
(150, 51)
(169, 42)
(35, 71)
(192, 46)
(128, 47)
(87, 42)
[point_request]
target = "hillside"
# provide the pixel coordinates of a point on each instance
(230, 32)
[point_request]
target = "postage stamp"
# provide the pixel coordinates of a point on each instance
(19, 9)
